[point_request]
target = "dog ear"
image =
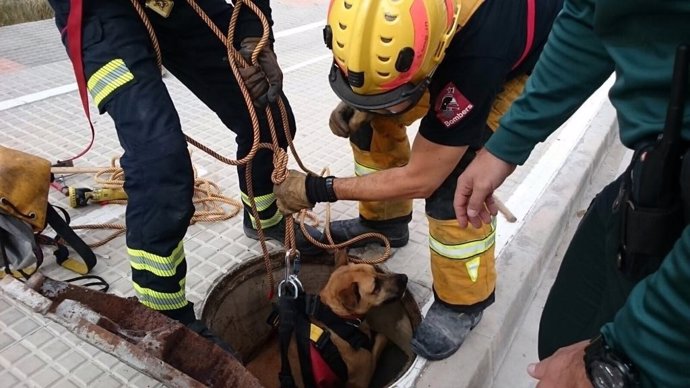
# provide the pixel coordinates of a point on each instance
(341, 257)
(349, 297)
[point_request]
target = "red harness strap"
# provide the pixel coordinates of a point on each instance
(531, 18)
(74, 30)
(324, 377)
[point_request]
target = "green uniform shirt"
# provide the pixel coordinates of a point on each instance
(589, 40)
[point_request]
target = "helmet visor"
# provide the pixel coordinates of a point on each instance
(390, 103)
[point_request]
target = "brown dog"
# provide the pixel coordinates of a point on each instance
(351, 292)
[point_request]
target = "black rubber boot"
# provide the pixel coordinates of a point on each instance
(200, 328)
(397, 232)
(442, 331)
(277, 233)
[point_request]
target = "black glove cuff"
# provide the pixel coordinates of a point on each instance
(320, 189)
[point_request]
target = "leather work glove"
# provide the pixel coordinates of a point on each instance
(291, 195)
(346, 120)
(268, 63)
(255, 81)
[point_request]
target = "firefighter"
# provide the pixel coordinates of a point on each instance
(619, 309)
(123, 79)
(457, 66)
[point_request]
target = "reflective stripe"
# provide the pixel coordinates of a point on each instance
(473, 268)
(267, 223)
(161, 300)
(262, 203)
(107, 79)
(157, 265)
(465, 250)
(361, 170)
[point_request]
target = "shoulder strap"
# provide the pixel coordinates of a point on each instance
(62, 228)
(529, 41)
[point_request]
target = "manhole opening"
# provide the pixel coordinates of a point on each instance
(236, 309)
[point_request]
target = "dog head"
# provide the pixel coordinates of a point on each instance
(353, 289)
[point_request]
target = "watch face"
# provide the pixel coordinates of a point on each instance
(606, 376)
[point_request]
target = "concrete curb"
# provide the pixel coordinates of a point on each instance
(522, 261)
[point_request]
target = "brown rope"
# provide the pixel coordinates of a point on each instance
(152, 34)
(280, 158)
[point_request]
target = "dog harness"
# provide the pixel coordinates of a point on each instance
(320, 362)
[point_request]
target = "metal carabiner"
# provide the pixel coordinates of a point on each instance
(295, 280)
(283, 286)
(288, 269)
(297, 262)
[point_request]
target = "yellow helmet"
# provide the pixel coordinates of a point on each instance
(385, 51)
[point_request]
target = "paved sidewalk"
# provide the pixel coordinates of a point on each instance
(40, 113)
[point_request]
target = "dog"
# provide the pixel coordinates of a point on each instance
(351, 291)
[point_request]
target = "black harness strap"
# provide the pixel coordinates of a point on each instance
(330, 354)
(293, 321)
(302, 327)
(286, 327)
(64, 231)
(347, 329)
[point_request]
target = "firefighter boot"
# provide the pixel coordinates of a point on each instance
(396, 231)
(442, 331)
(277, 232)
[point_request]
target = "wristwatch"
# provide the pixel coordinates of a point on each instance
(606, 369)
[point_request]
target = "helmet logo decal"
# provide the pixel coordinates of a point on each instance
(451, 105)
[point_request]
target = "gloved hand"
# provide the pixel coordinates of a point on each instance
(268, 87)
(291, 195)
(346, 120)
(255, 81)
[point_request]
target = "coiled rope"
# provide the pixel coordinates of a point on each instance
(208, 201)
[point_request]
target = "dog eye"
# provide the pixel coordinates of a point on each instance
(377, 285)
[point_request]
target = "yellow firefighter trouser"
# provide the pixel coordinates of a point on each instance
(462, 260)
(381, 145)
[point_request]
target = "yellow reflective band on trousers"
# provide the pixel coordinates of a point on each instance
(462, 261)
(511, 91)
(263, 202)
(157, 265)
(162, 300)
(389, 148)
(107, 79)
(267, 223)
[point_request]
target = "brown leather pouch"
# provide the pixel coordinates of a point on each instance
(24, 185)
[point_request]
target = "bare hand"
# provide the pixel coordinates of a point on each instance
(474, 201)
(564, 369)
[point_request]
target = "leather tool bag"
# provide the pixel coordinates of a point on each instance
(24, 184)
(24, 213)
